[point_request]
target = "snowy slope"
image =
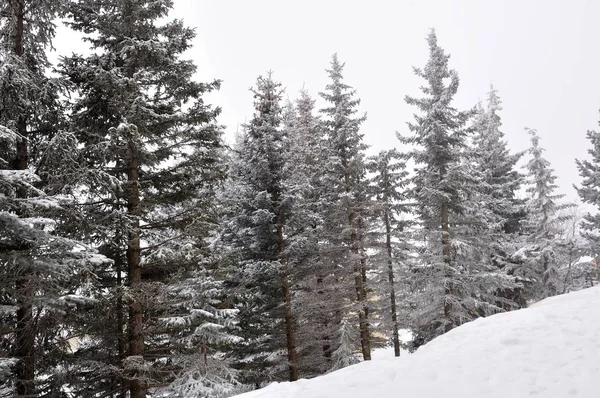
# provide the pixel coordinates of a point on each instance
(551, 350)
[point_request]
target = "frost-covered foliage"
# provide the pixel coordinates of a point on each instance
(200, 322)
(538, 258)
(454, 281)
(576, 271)
(390, 236)
(496, 166)
(345, 352)
(320, 299)
(40, 269)
(500, 182)
(589, 192)
(256, 220)
(346, 208)
(140, 257)
(152, 149)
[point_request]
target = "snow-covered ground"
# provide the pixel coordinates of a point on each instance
(551, 350)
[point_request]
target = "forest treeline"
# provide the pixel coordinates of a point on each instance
(142, 256)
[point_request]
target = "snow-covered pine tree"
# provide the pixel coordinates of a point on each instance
(40, 271)
(574, 273)
(152, 148)
(439, 132)
(199, 331)
(317, 297)
(495, 166)
(388, 186)
(33, 272)
(257, 209)
(538, 266)
(588, 193)
(454, 284)
(346, 193)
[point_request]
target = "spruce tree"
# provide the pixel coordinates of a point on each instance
(345, 179)
(317, 298)
(538, 258)
(588, 193)
(388, 189)
(440, 131)
(495, 166)
(258, 210)
(152, 148)
(40, 270)
(454, 284)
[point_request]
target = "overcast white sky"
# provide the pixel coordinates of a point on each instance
(543, 56)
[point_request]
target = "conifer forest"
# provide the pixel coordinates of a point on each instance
(144, 255)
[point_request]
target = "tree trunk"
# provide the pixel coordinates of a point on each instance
(324, 323)
(25, 348)
(447, 255)
(360, 290)
(121, 341)
(138, 386)
(289, 319)
(289, 331)
(388, 246)
(359, 268)
(26, 330)
(363, 273)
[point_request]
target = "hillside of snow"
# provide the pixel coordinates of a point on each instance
(551, 350)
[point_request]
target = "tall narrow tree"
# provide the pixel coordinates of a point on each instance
(388, 188)
(38, 268)
(495, 167)
(588, 192)
(346, 182)
(450, 285)
(152, 144)
(258, 234)
(539, 257)
(307, 155)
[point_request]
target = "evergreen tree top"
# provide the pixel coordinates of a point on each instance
(342, 98)
(589, 191)
(492, 157)
(542, 205)
(38, 26)
(390, 175)
(540, 168)
(436, 72)
(440, 128)
(267, 107)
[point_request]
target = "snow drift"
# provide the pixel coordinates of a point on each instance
(551, 350)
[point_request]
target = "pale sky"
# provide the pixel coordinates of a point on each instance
(542, 56)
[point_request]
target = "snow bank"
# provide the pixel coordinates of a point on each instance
(551, 350)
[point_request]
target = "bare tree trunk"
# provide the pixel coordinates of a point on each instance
(388, 246)
(447, 255)
(359, 270)
(360, 290)
(138, 386)
(363, 273)
(324, 323)
(289, 331)
(25, 348)
(121, 343)
(289, 319)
